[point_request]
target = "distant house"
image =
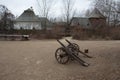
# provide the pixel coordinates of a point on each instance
(81, 21)
(95, 19)
(28, 20)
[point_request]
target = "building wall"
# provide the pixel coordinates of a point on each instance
(28, 25)
(97, 22)
(81, 22)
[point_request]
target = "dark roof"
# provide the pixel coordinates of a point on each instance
(96, 14)
(28, 15)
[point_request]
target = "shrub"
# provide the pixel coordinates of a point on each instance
(115, 33)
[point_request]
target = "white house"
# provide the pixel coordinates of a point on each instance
(28, 20)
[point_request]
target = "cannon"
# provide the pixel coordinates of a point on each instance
(76, 48)
(70, 52)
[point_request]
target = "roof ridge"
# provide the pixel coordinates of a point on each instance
(28, 15)
(96, 14)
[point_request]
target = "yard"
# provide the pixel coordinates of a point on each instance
(35, 60)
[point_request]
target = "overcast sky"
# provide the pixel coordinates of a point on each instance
(18, 6)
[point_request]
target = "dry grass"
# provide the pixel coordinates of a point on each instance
(34, 60)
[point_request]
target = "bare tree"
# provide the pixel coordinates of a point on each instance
(109, 8)
(69, 12)
(87, 13)
(116, 13)
(7, 19)
(44, 7)
(104, 7)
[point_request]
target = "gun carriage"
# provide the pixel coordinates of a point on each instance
(70, 52)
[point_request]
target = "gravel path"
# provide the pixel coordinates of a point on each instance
(35, 60)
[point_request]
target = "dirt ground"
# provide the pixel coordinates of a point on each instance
(35, 60)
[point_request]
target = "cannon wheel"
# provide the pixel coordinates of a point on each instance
(61, 56)
(75, 48)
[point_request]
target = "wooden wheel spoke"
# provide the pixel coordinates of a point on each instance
(59, 59)
(61, 56)
(63, 59)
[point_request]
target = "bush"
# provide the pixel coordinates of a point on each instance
(115, 33)
(40, 34)
(80, 33)
(106, 33)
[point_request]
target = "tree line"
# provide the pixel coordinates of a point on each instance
(109, 8)
(7, 19)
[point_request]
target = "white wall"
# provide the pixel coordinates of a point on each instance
(28, 25)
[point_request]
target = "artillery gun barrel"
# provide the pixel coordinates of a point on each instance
(85, 54)
(79, 49)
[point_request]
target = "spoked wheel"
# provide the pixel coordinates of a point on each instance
(61, 56)
(74, 48)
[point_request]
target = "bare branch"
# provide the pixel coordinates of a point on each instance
(68, 6)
